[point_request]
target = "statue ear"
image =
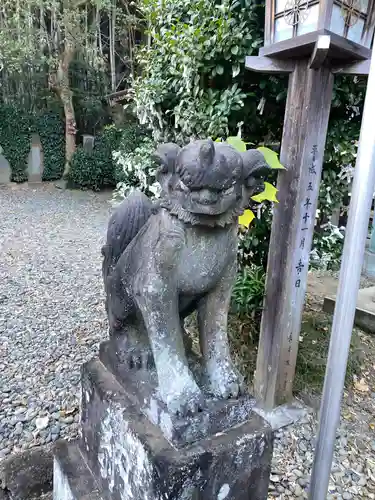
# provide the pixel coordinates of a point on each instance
(207, 153)
(165, 157)
(254, 167)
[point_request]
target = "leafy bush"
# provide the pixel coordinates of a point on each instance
(135, 169)
(96, 170)
(131, 138)
(16, 127)
(51, 129)
(193, 70)
(15, 135)
(327, 247)
(248, 292)
(254, 241)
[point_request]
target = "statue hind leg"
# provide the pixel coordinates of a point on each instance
(126, 326)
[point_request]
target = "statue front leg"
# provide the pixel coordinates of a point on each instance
(224, 379)
(158, 304)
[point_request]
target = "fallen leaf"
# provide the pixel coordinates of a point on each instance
(361, 385)
(71, 411)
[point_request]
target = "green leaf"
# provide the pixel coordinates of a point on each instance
(271, 157)
(235, 70)
(246, 218)
(234, 50)
(237, 143)
(269, 194)
(219, 70)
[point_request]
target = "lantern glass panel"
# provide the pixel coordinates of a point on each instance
(309, 22)
(363, 6)
(355, 31)
(283, 30)
(280, 6)
(337, 21)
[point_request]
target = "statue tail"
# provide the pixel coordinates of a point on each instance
(124, 225)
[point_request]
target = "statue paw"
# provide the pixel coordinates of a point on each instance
(182, 396)
(224, 380)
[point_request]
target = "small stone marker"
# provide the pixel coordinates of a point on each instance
(88, 143)
(5, 171)
(35, 161)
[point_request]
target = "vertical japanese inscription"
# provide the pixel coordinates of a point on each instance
(302, 249)
(307, 215)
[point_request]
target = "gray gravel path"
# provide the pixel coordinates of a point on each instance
(51, 309)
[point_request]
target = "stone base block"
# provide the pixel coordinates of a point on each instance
(72, 479)
(365, 310)
(141, 387)
(130, 457)
(369, 263)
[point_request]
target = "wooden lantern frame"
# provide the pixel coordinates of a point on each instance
(312, 60)
(299, 46)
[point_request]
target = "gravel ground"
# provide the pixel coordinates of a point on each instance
(52, 319)
(51, 309)
(353, 471)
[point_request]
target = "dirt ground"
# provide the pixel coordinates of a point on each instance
(358, 406)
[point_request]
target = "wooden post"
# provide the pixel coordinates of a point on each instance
(302, 150)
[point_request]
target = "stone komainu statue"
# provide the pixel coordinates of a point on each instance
(165, 260)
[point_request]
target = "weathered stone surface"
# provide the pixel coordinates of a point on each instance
(141, 386)
(35, 164)
(164, 261)
(28, 474)
(72, 480)
(5, 171)
(130, 457)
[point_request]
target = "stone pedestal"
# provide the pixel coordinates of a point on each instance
(131, 448)
(365, 311)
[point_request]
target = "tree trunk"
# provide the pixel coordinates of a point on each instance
(66, 95)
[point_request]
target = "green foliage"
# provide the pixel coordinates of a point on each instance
(16, 127)
(132, 136)
(135, 168)
(327, 247)
(89, 84)
(194, 84)
(96, 170)
(312, 351)
(15, 133)
(191, 85)
(51, 129)
(254, 241)
(247, 296)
